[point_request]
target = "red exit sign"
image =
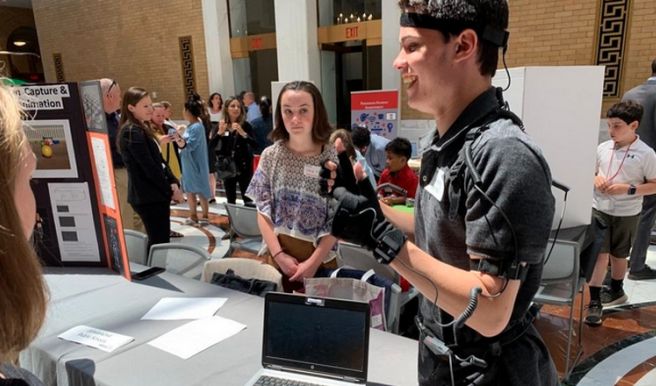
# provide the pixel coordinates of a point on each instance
(352, 32)
(256, 43)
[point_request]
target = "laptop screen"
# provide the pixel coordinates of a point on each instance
(324, 335)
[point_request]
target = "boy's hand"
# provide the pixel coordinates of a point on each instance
(617, 189)
(601, 184)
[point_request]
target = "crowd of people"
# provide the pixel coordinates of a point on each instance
(155, 159)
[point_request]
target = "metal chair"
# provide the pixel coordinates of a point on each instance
(180, 259)
(561, 282)
(137, 246)
(243, 224)
(354, 256)
(246, 268)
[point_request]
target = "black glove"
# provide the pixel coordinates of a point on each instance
(356, 214)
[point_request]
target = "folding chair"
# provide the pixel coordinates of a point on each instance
(243, 224)
(180, 259)
(561, 281)
(137, 246)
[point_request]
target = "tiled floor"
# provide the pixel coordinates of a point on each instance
(622, 351)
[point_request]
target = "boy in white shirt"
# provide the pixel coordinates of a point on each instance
(625, 171)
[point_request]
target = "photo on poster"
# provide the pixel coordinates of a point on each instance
(111, 230)
(94, 112)
(52, 144)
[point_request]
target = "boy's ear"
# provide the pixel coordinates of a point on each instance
(634, 125)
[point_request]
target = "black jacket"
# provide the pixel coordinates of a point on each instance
(149, 177)
(243, 147)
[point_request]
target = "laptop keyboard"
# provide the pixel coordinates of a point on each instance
(273, 381)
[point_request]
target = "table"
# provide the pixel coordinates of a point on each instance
(99, 298)
(405, 209)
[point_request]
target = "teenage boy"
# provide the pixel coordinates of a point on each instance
(625, 172)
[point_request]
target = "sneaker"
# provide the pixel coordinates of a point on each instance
(644, 274)
(190, 222)
(612, 298)
(595, 311)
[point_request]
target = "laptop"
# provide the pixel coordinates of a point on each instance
(314, 341)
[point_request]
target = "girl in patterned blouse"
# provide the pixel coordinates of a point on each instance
(292, 215)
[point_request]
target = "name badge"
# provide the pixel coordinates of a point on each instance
(312, 171)
(605, 205)
(436, 187)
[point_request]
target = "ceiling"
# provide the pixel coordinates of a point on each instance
(16, 3)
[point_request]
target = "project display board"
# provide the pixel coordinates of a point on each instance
(78, 217)
(377, 110)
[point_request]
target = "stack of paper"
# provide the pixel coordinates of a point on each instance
(192, 338)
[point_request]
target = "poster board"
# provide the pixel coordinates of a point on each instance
(378, 110)
(560, 109)
(77, 204)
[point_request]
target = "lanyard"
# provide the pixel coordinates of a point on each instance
(621, 164)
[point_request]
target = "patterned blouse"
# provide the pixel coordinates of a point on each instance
(286, 189)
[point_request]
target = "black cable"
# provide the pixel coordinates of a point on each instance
(560, 223)
(505, 49)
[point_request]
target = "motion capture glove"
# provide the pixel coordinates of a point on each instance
(356, 214)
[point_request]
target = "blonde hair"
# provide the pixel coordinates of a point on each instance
(23, 293)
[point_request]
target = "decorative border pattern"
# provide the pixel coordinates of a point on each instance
(612, 38)
(188, 72)
(59, 68)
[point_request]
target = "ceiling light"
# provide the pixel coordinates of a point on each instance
(19, 43)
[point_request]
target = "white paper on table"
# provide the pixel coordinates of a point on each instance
(184, 308)
(96, 338)
(197, 336)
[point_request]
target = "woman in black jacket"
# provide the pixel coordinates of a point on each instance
(151, 185)
(237, 140)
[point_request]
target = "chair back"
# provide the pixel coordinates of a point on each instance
(243, 221)
(179, 259)
(246, 268)
(350, 255)
(137, 246)
(563, 264)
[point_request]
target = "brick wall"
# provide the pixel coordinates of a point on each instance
(10, 19)
(563, 33)
(135, 43)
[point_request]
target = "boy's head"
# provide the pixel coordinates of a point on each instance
(399, 151)
(623, 121)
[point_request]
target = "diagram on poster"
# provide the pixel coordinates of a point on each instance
(102, 167)
(376, 110)
(73, 218)
(52, 143)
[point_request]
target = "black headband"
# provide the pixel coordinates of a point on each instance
(493, 35)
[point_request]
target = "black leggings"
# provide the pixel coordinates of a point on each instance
(230, 185)
(156, 218)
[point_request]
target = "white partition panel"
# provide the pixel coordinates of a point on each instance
(560, 107)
